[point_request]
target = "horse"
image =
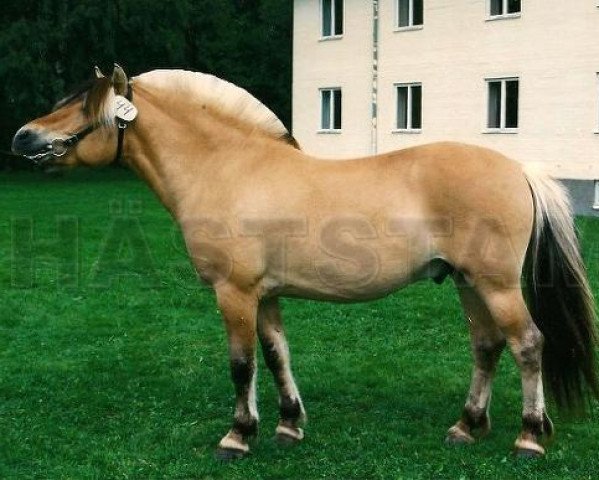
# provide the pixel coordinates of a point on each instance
(261, 220)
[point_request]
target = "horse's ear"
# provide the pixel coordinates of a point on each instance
(98, 72)
(119, 80)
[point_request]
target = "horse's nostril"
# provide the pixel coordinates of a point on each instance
(23, 136)
(25, 140)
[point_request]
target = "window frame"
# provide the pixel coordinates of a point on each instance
(504, 15)
(409, 128)
(332, 36)
(332, 128)
(410, 25)
(503, 105)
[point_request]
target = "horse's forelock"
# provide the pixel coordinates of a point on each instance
(99, 105)
(97, 96)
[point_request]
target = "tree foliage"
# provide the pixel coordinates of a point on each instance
(47, 47)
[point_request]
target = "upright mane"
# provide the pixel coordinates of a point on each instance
(222, 96)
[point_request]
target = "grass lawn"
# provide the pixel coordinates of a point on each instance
(111, 376)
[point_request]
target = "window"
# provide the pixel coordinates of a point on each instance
(596, 201)
(330, 109)
(409, 13)
(332, 18)
(409, 107)
(503, 104)
(504, 7)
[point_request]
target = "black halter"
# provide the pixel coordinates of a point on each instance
(122, 126)
(60, 146)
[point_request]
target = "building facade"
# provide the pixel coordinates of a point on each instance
(519, 76)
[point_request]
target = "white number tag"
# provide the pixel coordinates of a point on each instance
(125, 110)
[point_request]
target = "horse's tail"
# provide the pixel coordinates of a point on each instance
(560, 298)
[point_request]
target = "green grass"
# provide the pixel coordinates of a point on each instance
(111, 376)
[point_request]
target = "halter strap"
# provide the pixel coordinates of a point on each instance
(77, 137)
(122, 126)
(59, 146)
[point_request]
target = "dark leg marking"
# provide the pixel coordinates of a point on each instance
(246, 429)
(533, 424)
(242, 371)
(475, 418)
(290, 409)
(272, 360)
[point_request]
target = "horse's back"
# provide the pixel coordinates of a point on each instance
(445, 178)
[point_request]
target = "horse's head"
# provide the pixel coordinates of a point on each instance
(82, 128)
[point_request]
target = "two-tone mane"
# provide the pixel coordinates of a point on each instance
(200, 89)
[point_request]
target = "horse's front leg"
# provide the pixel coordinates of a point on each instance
(276, 356)
(239, 311)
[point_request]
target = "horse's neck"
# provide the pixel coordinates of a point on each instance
(177, 152)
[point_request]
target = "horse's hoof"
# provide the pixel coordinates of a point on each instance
(229, 454)
(457, 436)
(285, 440)
(288, 436)
(527, 453)
(526, 448)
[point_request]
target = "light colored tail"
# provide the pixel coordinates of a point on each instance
(560, 298)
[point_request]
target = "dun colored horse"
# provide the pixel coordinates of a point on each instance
(261, 220)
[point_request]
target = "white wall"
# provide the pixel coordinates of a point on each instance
(553, 48)
(345, 63)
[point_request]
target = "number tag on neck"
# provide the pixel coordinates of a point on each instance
(125, 110)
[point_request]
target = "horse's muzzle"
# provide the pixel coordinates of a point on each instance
(31, 144)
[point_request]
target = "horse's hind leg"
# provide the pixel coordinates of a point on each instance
(239, 312)
(487, 344)
(511, 315)
(276, 356)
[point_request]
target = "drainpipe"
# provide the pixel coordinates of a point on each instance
(375, 77)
